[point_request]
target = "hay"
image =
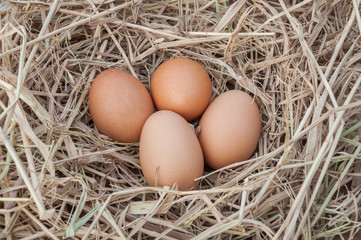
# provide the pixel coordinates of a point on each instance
(299, 59)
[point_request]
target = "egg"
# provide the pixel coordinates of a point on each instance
(229, 129)
(169, 151)
(183, 86)
(119, 105)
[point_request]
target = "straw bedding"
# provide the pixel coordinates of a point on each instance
(300, 60)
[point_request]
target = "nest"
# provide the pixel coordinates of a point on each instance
(300, 60)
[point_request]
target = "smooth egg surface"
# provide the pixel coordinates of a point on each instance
(119, 105)
(169, 151)
(183, 86)
(229, 129)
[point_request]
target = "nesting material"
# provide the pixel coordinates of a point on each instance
(299, 60)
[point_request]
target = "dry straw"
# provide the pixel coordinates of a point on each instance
(300, 60)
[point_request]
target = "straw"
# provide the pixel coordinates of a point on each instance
(299, 60)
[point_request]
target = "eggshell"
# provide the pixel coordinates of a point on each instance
(182, 86)
(119, 105)
(169, 151)
(229, 129)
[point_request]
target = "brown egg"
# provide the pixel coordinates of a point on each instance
(169, 151)
(182, 86)
(119, 105)
(229, 129)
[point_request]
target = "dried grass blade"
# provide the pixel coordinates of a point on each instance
(109, 217)
(52, 10)
(75, 223)
(295, 208)
(5, 170)
(231, 12)
(356, 4)
(43, 213)
(40, 224)
(5, 199)
(96, 219)
(31, 101)
(355, 87)
(63, 29)
(307, 51)
(21, 75)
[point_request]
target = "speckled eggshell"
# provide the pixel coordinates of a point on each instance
(229, 129)
(169, 151)
(119, 105)
(183, 86)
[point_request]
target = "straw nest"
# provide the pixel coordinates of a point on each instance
(300, 60)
